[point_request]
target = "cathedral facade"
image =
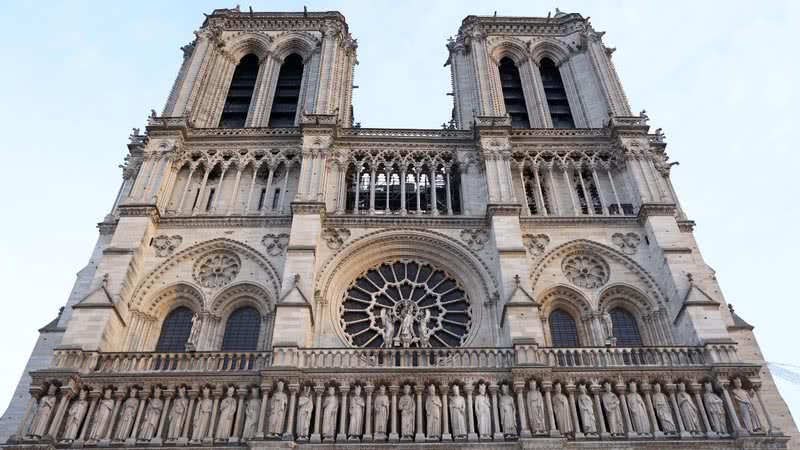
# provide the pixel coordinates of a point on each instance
(274, 275)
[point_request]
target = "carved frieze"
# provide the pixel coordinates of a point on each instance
(628, 242)
(276, 243)
(475, 239)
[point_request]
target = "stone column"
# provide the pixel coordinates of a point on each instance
(471, 435)
(131, 440)
(598, 411)
(434, 208)
(93, 397)
(252, 188)
(24, 422)
(59, 415)
(393, 436)
(212, 422)
(368, 389)
(187, 421)
(498, 432)
(372, 176)
(235, 195)
(402, 188)
(651, 412)
(197, 205)
(118, 397)
(357, 182)
(695, 388)
(342, 436)
(316, 437)
(773, 430)
(547, 386)
(524, 427)
(575, 423)
(262, 414)
(446, 436)
(419, 436)
(670, 388)
(241, 393)
(289, 434)
(626, 416)
(157, 439)
(738, 429)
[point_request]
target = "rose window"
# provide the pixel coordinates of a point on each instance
(405, 304)
(216, 270)
(586, 271)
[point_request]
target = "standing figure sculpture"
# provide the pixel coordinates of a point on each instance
(251, 411)
(747, 411)
(425, 332)
(305, 406)
(227, 412)
(406, 335)
(329, 409)
(458, 414)
(407, 409)
(75, 415)
(561, 410)
(639, 419)
(483, 413)
(608, 327)
(127, 416)
(508, 413)
(178, 415)
(536, 409)
(194, 333)
(611, 404)
(716, 410)
(388, 328)
(101, 417)
(663, 410)
(691, 420)
(151, 416)
(356, 414)
(202, 416)
(381, 411)
(41, 419)
(586, 410)
(433, 414)
(277, 411)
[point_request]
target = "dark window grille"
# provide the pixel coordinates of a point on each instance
(513, 95)
(237, 103)
(555, 94)
(175, 331)
(626, 330)
(563, 331)
(287, 92)
(242, 330)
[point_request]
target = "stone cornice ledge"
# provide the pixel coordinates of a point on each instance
(139, 210)
(308, 208)
(578, 221)
(282, 221)
(656, 209)
(366, 221)
(503, 209)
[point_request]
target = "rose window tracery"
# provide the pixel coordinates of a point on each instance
(406, 304)
(585, 270)
(217, 269)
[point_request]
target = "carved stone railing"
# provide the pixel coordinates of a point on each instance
(602, 357)
(135, 362)
(404, 132)
(398, 358)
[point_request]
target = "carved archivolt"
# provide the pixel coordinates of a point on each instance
(241, 294)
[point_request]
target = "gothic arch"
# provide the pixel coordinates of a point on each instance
(237, 296)
(508, 47)
(242, 44)
(549, 48)
(438, 249)
(574, 303)
(628, 297)
(304, 44)
(171, 297)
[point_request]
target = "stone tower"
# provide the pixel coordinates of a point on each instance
(524, 275)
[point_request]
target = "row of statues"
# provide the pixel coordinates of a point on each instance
(396, 413)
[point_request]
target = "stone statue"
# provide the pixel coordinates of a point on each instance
(101, 417)
(277, 411)
(388, 329)
(433, 413)
(639, 420)
(508, 412)
(586, 411)
(75, 415)
(127, 415)
(425, 332)
(305, 406)
(41, 419)
(483, 413)
(663, 410)
(178, 415)
(715, 409)
(536, 409)
(407, 409)
(688, 410)
(458, 414)
(611, 404)
(251, 411)
(747, 411)
(202, 415)
(151, 416)
(608, 325)
(329, 409)
(381, 408)
(406, 334)
(194, 334)
(226, 414)
(561, 410)
(356, 406)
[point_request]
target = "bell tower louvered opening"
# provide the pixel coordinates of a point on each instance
(240, 93)
(555, 94)
(513, 96)
(287, 92)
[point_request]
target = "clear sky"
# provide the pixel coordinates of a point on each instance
(721, 78)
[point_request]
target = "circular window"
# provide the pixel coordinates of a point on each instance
(586, 271)
(406, 304)
(217, 269)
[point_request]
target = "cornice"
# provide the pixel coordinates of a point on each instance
(533, 222)
(274, 221)
(656, 209)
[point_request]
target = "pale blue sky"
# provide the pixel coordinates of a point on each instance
(721, 78)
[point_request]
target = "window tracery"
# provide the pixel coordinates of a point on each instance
(242, 330)
(175, 330)
(625, 328)
(217, 269)
(585, 270)
(563, 331)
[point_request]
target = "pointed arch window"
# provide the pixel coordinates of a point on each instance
(240, 93)
(287, 92)
(555, 94)
(175, 331)
(242, 330)
(513, 95)
(563, 332)
(625, 328)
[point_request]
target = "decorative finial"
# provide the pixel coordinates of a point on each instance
(305, 11)
(153, 113)
(730, 307)
(690, 277)
(296, 278)
(105, 279)
(517, 280)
